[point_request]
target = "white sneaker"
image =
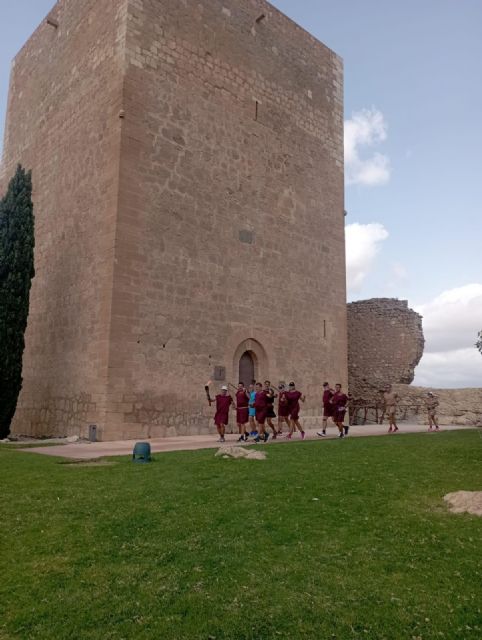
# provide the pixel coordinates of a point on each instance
(321, 433)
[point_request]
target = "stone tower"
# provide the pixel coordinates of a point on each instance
(187, 162)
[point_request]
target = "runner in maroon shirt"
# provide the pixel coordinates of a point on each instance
(293, 397)
(283, 410)
(339, 402)
(328, 408)
(242, 410)
(261, 407)
(221, 417)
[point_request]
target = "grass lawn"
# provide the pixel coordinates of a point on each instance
(330, 539)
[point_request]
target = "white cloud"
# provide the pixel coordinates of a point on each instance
(450, 369)
(362, 245)
(451, 322)
(366, 128)
(452, 319)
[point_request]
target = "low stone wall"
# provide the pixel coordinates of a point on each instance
(456, 406)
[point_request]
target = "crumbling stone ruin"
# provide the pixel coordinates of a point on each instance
(385, 344)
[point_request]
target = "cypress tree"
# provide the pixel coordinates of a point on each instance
(16, 272)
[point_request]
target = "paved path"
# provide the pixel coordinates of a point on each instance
(89, 451)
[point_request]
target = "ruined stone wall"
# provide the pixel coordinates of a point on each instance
(205, 222)
(62, 122)
(385, 344)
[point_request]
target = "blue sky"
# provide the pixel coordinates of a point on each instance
(413, 102)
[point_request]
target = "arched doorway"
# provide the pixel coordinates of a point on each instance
(250, 361)
(246, 368)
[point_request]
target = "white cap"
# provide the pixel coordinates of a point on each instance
(224, 388)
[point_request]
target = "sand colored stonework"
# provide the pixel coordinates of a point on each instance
(205, 149)
(465, 502)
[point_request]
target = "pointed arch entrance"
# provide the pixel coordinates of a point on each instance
(250, 361)
(247, 367)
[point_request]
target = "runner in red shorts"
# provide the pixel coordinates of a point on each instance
(328, 408)
(339, 402)
(221, 417)
(242, 410)
(293, 397)
(261, 407)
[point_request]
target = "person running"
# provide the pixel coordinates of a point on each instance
(293, 397)
(283, 409)
(390, 401)
(339, 402)
(328, 408)
(270, 414)
(261, 407)
(432, 403)
(242, 411)
(252, 410)
(221, 417)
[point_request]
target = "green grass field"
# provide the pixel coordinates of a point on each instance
(330, 539)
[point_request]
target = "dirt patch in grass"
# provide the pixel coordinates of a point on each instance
(465, 502)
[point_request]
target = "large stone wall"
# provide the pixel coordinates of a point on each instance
(64, 100)
(385, 344)
(188, 167)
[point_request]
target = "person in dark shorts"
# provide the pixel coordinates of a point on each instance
(242, 412)
(283, 409)
(270, 397)
(252, 411)
(293, 397)
(328, 408)
(221, 417)
(339, 402)
(261, 407)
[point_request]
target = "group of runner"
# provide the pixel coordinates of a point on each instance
(255, 410)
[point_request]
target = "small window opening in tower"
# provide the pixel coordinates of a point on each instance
(256, 109)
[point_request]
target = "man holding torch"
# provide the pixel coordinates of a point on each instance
(223, 403)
